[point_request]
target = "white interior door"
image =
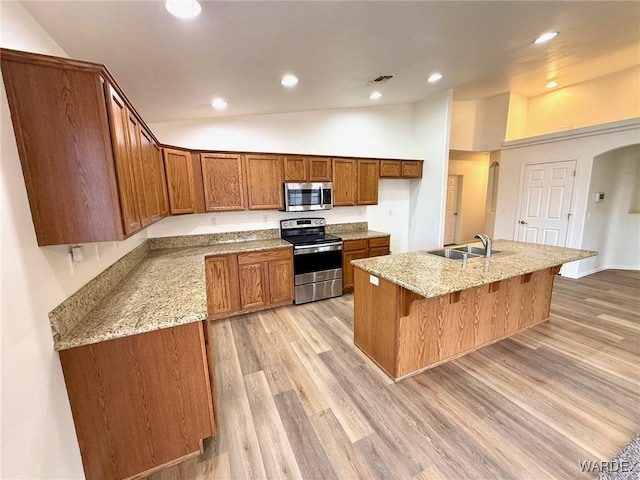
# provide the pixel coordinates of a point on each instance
(453, 205)
(545, 205)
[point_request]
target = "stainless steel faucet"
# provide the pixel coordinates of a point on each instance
(486, 243)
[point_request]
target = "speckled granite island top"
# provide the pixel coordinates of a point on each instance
(431, 276)
(167, 288)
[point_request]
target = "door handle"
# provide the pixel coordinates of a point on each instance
(523, 222)
(456, 213)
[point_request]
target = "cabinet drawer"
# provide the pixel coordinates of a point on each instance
(351, 245)
(264, 256)
(378, 252)
(379, 242)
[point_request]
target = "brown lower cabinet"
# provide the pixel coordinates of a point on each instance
(143, 402)
(248, 282)
(357, 249)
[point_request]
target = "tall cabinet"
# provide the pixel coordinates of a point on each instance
(82, 150)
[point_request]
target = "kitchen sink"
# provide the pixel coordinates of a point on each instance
(453, 254)
(475, 250)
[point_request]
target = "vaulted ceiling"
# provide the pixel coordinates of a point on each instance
(171, 69)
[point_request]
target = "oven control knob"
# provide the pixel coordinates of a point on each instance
(317, 222)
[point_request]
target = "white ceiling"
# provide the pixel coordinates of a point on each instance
(171, 69)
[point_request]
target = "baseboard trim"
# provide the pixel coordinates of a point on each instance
(606, 267)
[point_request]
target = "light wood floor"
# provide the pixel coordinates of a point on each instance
(298, 400)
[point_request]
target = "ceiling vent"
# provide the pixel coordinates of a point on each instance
(380, 80)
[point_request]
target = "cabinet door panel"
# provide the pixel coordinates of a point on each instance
(390, 168)
(124, 168)
(344, 182)
(264, 181)
(223, 180)
(412, 169)
(150, 177)
(179, 171)
(347, 268)
(135, 152)
(319, 169)
(223, 294)
(368, 174)
(281, 281)
(295, 168)
(140, 401)
(253, 285)
(160, 181)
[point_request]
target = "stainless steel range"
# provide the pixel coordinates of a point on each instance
(317, 259)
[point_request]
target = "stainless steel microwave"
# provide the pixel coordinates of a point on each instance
(300, 197)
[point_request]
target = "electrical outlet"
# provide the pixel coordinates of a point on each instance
(265, 218)
(213, 220)
(390, 212)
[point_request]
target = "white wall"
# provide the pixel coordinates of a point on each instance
(609, 227)
(479, 125)
(367, 132)
(432, 121)
(38, 438)
(474, 169)
(582, 145)
(604, 99)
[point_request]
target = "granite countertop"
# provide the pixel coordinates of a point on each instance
(167, 288)
(432, 276)
(361, 235)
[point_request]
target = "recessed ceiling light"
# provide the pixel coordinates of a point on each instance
(219, 103)
(552, 84)
(434, 77)
(183, 8)
(375, 95)
(289, 80)
(545, 37)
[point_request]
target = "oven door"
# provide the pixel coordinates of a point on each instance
(317, 263)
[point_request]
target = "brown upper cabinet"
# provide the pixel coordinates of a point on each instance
(265, 174)
(79, 142)
(178, 166)
(298, 168)
(368, 174)
(344, 181)
(355, 181)
(223, 180)
(401, 168)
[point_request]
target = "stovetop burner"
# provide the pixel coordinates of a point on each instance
(306, 231)
(313, 239)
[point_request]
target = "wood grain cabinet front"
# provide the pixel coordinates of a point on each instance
(298, 168)
(223, 178)
(345, 172)
(357, 249)
(368, 174)
(401, 168)
(248, 282)
(140, 403)
(180, 182)
(82, 150)
(265, 175)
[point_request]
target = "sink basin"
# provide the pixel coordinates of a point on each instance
(453, 254)
(476, 250)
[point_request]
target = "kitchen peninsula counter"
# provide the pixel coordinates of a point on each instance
(413, 311)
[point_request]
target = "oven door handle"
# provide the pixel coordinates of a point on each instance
(322, 247)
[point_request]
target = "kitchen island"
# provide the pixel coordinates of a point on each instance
(413, 311)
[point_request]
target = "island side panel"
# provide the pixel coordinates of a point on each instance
(139, 402)
(374, 321)
(405, 333)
